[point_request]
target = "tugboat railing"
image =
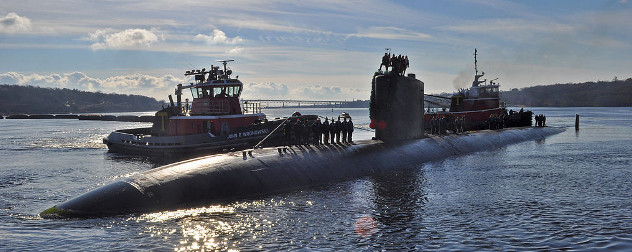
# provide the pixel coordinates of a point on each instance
(251, 107)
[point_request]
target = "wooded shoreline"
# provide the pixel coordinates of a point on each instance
(15, 99)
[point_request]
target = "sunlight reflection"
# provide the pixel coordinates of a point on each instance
(178, 214)
(218, 227)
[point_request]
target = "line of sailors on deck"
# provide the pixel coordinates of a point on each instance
(439, 125)
(300, 133)
(497, 121)
(398, 64)
(540, 120)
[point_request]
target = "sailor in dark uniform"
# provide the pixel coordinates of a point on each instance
(307, 130)
(456, 125)
(338, 130)
(406, 64)
(395, 64)
(298, 132)
(287, 132)
(345, 130)
(350, 131)
(332, 131)
(325, 130)
(385, 60)
(443, 125)
(537, 121)
(316, 138)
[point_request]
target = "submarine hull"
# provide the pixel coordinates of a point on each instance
(235, 175)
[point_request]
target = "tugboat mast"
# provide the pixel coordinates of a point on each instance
(475, 62)
(476, 75)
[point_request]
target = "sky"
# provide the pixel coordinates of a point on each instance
(313, 50)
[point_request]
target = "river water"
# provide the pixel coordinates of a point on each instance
(569, 191)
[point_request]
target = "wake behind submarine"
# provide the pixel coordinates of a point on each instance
(399, 142)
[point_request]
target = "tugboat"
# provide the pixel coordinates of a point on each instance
(215, 121)
(476, 108)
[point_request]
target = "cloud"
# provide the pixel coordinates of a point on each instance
(271, 90)
(140, 82)
(318, 92)
(266, 90)
(390, 32)
(11, 78)
(13, 23)
(130, 38)
(236, 50)
(262, 25)
(68, 80)
(218, 37)
(157, 87)
(508, 26)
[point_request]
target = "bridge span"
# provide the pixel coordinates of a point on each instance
(296, 103)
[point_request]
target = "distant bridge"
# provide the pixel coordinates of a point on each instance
(298, 103)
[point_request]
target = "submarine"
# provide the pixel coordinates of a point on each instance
(399, 142)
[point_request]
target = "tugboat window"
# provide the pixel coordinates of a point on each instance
(194, 93)
(219, 92)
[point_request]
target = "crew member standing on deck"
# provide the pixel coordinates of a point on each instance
(443, 125)
(406, 64)
(394, 64)
(325, 129)
(287, 132)
(345, 129)
(298, 132)
(338, 129)
(332, 131)
(307, 130)
(456, 125)
(350, 131)
(316, 137)
(385, 60)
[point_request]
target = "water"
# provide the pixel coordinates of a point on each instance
(570, 191)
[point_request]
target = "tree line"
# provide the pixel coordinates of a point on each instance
(16, 99)
(615, 93)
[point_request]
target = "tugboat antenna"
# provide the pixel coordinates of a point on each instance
(225, 62)
(475, 61)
